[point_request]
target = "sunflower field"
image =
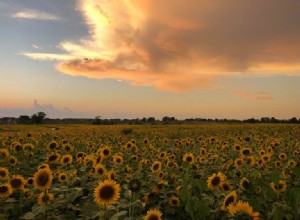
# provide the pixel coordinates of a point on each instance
(152, 172)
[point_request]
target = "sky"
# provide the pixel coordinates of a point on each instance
(132, 59)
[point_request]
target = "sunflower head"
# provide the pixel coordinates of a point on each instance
(17, 182)
(66, 159)
(243, 210)
(42, 179)
(174, 201)
(245, 184)
(118, 159)
(45, 199)
(215, 180)
(107, 192)
(279, 187)
(4, 153)
(156, 167)
(63, 177)
(5, 191)
(188, 157)
(100, 169)
(153, 214)
(230, 198)
(3, 173)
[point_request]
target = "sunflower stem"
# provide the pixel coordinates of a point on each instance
(46, 213)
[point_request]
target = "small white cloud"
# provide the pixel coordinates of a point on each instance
(36, 15)
(35, 46)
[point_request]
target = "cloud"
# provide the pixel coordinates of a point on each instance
(176, 46)
(49, 109)
(36, 15)
(255, 95)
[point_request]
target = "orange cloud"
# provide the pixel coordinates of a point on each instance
(176, 46)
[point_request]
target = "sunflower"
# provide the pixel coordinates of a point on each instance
(62, 177)
(292, 163)
(42, 179)
(188, 157)
(44, 166)
(156, 167)
(5, 191)
(202, 151)
(238, 163)
(17, 182)
(174, 201)
(249, 160)
(28, 147)
(161, 174)
(68, 147)
(13, 160)
(262, 152)
(278, 188)
(266, 158)
(225, 186)
(128, 169)
(66, 159)
(162, 155)
(111, 175)
(278, 163)
(107, 192)
(45, 199)
(282, 156)
(4, 153)
(134, 158)
(53, 158)
(215, 180)
(153, 214)
(118, 159)
(52, 145)
(100, 169)
(227, 164)
(3, 173)
(245, 151)
(18, 147)
(29, 181)
(244, 184)
(242, 209)
(80, 155)
(230, 198)
(237, 147)
(105, 151)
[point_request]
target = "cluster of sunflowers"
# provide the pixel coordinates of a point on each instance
(155, 172)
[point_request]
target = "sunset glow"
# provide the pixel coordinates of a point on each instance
(130, 59)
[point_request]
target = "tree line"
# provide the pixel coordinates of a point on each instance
(40, 117)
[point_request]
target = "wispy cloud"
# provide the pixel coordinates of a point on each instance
(49, 109)
(34, 14)
(177, 46)
(255, 95)
(48, 56)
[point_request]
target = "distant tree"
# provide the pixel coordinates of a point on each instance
(251, 120)
(293, 120)
(97, 120)
(23, 119)
(151, 119)
(38, 118)
(265, 120)
(274, 120)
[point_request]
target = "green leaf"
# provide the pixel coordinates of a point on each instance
(275, 178)
(118, 214)
(184, 194)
